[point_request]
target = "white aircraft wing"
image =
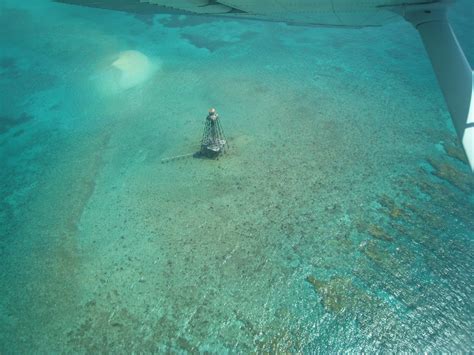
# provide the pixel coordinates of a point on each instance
(428, 16)
(353, 13)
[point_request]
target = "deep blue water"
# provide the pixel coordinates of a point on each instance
(341, 219)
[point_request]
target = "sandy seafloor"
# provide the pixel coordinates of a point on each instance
(341, 218)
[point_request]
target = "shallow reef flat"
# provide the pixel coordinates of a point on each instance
(340, 220)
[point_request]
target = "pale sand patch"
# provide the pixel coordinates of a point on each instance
(130, 70)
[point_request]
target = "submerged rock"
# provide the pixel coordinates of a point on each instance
(373, 230)
(456, 153)
(463, 181)
(7, 122)
(393, 210)
(339, 294)
(379, 233)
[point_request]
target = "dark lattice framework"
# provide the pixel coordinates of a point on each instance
(213, 140)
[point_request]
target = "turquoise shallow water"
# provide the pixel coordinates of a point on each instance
(340, 219)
